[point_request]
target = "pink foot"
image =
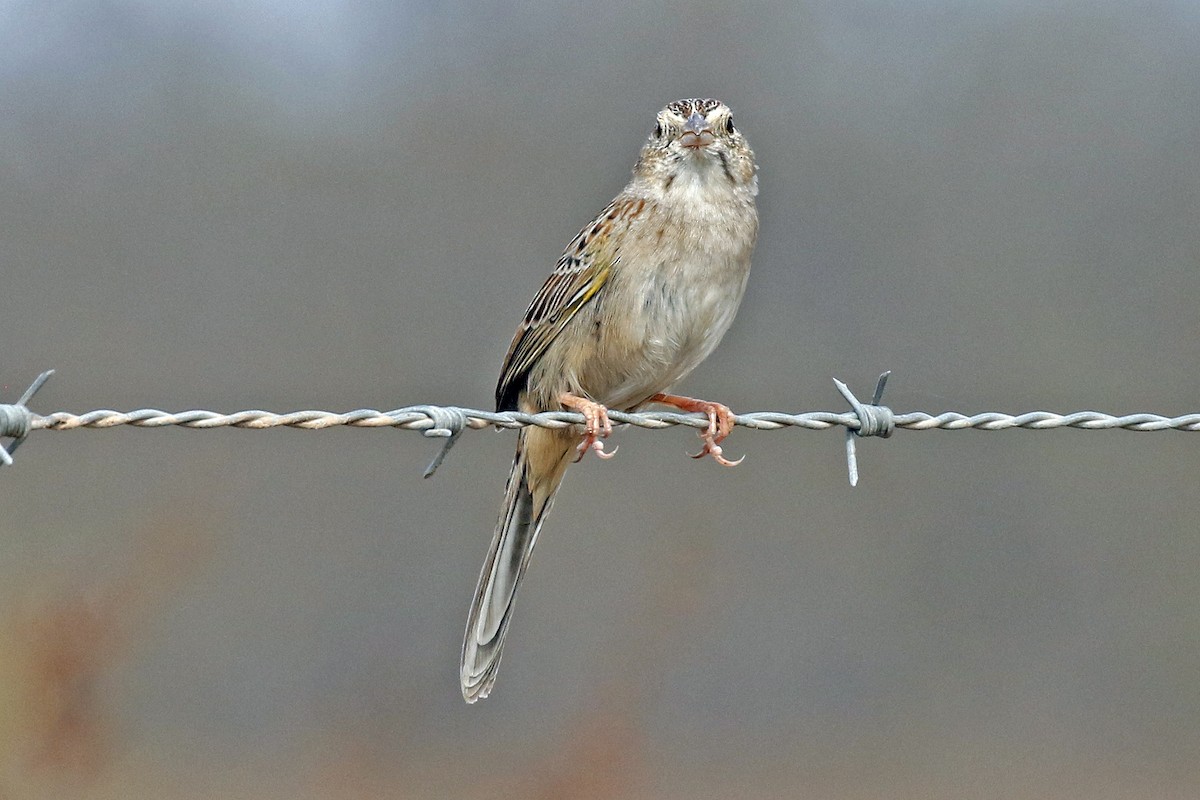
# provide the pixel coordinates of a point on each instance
(597, 426)
(720, 424)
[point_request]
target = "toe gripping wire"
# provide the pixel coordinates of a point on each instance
(873, 420)
(16, 419)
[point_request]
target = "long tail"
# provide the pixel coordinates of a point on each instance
(537, 471)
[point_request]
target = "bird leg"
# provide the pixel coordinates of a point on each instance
(596, 424)
(720, 424)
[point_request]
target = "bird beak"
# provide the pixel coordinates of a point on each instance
(696, 134)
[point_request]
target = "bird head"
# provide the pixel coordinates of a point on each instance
(696, 137)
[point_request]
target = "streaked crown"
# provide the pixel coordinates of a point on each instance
(693, 105)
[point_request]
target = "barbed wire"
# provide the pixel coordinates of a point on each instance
(448, 422)
(425, 419)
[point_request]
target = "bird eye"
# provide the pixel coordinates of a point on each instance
(729, 125)
(658, 131)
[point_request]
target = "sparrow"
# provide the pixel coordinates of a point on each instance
(638, 299)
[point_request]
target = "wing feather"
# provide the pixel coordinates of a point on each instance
(581, 272)
(578, 276)
(560, 298)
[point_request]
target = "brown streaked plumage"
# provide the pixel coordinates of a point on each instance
(638, 299)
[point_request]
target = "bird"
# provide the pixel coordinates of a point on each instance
(639, 298)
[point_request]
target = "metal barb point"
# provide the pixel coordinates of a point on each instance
(448, 424)
(873, 420)
(17, 418)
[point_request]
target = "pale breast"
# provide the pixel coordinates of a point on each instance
(681, 263)
(666, 308)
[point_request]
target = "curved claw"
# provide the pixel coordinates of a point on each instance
(713, 449)
(598, 449)
(597, 426)
(593, 442)
(720, 425)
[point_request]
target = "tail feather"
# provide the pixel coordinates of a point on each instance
(527, 499)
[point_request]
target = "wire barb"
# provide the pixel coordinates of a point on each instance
(873, 420)
(16, 420)
(446, 422)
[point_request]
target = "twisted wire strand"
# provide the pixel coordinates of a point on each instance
(449, 420)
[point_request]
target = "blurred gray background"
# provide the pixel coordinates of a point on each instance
(344, 205)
